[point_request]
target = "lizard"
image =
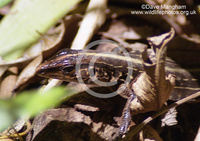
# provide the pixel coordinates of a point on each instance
(111, 67)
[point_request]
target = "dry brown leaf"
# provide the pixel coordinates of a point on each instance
(69, 28)
(52, 41)
(63, 115)
(153, 87)
(2, 70)
(65, 34)
(28, 73)
(18, 62)
(8, 83)
(86, 108)
(65, 122)
(55, 39)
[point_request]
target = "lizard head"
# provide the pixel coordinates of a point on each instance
(61, 66)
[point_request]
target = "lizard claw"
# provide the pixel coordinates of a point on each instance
(124, 126)
(126, 117)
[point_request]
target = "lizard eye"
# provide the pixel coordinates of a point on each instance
(67, 70)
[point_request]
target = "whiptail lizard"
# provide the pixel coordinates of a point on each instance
(109, 67)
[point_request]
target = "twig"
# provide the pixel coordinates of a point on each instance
(18, 134)
(146, 121)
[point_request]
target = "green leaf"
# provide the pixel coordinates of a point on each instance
(19, 29)
(7, 117)
(30, 103)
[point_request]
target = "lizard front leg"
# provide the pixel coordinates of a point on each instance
(126, 114)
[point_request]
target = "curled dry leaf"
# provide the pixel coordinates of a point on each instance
(69, 28)
(28, 72)
(153, 87)
(53, 41)
(65, 34)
